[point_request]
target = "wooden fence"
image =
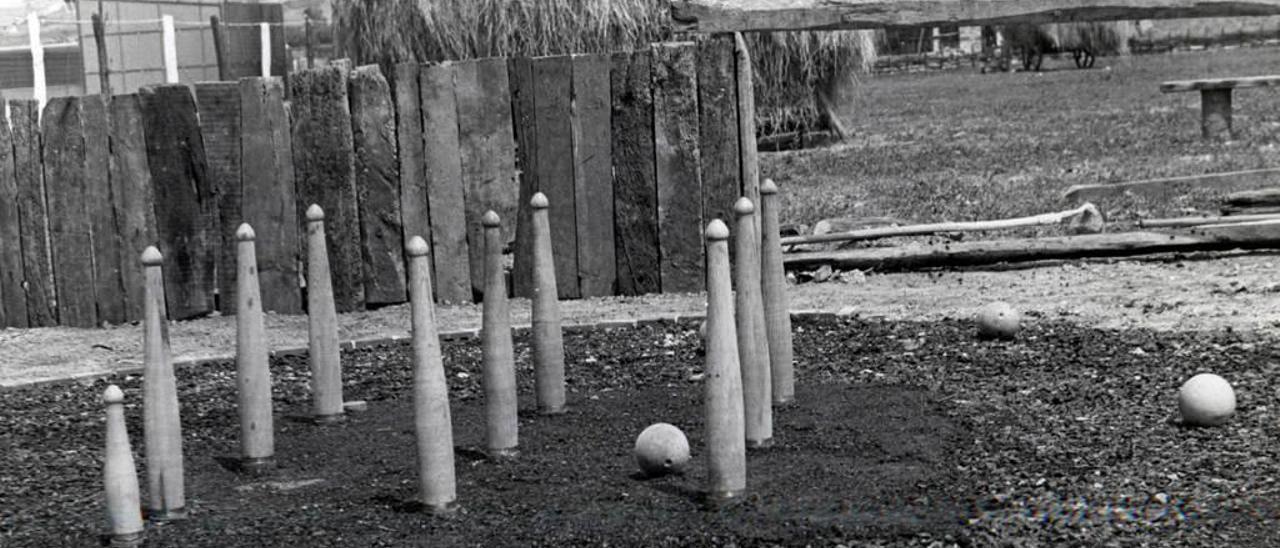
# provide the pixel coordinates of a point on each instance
(635, 151)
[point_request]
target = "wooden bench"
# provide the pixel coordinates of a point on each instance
(1215, 100)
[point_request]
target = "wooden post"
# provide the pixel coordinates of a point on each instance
(120, 476)
(548, 342)
(753, 349)
(220, 47)
(377, 176)
(264, 38)
(750, 159)
(322, 315)
(722, 384)
(777, 315)
(311, 55)
(39, 89)
(100, 40)
(432, 422)
(1215, 113)
(253, 376)
(502, 430)
(162, 427)
(170, 45)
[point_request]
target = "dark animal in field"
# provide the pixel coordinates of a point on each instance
(1031, 42)
(1084, 41)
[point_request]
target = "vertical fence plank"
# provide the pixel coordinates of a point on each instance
(635, 198)
(132, 197)
(485, 137)
(108, 283)
(675, 121)
(324, 171)
(443, 160)
(24, 117)
(268, 202)
(745, 93)
(378, 186)
(13, 300)
(69, 228)
(718, 129)
(186, 222)
(520, 77)
(219, 106)
(553, 97)
(414, 208)
(593, 175)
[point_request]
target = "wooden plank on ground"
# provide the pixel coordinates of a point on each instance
(1169, 186)
(324, 171)
(132, 197)
(718, 128)
(415, 212)
(488, 153)
(62, 127)
(268, 201)
(675, 123)
(520, 77)
(373, 127)
(593, 175)
(108, 283)
(219, 106)
(1268, 229)
(1220, 83)
(37, 265)
(443, 159)
(13, 300)
(553, 99)
(184, 199)
(635, 199)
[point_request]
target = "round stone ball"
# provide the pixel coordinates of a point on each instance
(998, 320)
(1206, 400)
(661, 449)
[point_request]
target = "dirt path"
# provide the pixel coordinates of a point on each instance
(1221, 291)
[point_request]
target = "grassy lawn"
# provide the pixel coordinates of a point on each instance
(961, 145)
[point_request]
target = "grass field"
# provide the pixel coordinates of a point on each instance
(961, 145)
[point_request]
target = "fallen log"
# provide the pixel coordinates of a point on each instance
(1264, 197)
(1256, 230)
(1229, 211)
(1184, 222)
(1085, 218)
(1162, 187)
(1035, 249)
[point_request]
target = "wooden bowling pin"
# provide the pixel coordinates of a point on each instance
(432, 422)
(548, 342)
(322, 316)
(722, 383)
(753, 346)
(120, 476)
(162, 428)
(777, 314)
(501, 428)
(253, 377)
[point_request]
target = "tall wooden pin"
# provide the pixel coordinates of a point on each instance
(548, 342)
(162, 428)
(722, 384)
(502, 431)
(120, 476)
(432, 422)
(753, 344)
(253, 376)
(322, 315)
(777, 314)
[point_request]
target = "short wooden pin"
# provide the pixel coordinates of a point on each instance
(120, 476)
(548, 341)
(322, 316)
(722, 383)
(777, 313)
(253, 376)
(432, 421)
(753, 344)
(162, 427)
(501, 427)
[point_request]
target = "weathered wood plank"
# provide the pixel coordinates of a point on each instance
(37, 265)
(744, 89)
(184, 199)
(488, 153)
(108, 284)
(70, 229)
(324, 171)
(553, 99)
(520, 77)
(268, 200)
(443, 160)
(635, 199)
(373, 130)
(415, 212)
(13, 300)
(1264, 230)
(1220, 83)
(219, 106)
(1161, 189)
(675, 122)
(718, 129)
(713, 16)
(593, 175)
(132, 197)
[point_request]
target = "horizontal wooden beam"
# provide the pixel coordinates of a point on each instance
(1220, 83)
(1168, 186)
(711, 16)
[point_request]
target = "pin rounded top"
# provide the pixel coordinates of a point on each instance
(768, 187)
(539, 201)
(113, 394)
(416, 247)
(744, 206)
(245, 232)
(717, 230)
(314, 213)
(491, 219)
(151, 256)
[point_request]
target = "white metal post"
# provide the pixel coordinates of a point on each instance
(264, 31)
(170, 50)
(40, 91)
